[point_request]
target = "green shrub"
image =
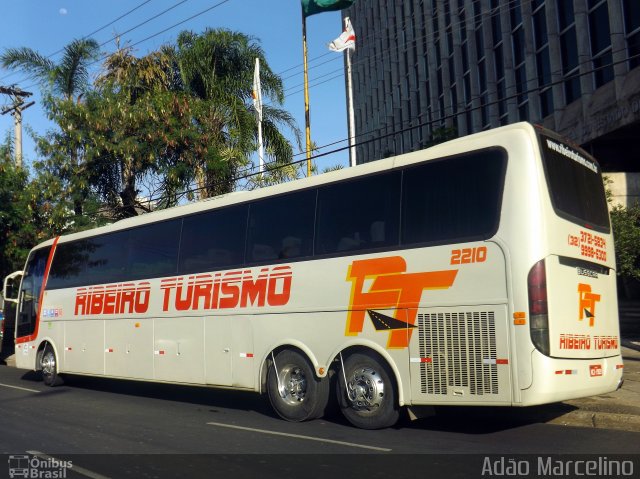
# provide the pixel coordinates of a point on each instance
(625, 223)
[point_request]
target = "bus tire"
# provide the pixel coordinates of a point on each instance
(368, 400)
(295, 393)
(49, 367)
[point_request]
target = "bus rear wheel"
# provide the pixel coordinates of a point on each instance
(49, 367)
(366, 392)
(295, 393)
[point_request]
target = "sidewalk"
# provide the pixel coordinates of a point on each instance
(617, 410)
(620, 409)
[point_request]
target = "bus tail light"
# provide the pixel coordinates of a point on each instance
(538, 310)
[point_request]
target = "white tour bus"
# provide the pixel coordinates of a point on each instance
(478, 272)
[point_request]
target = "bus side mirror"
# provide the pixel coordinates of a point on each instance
(11, 287)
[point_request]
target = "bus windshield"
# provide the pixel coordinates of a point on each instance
(581, 200)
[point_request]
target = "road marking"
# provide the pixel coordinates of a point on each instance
(80, 470)
(18, 387)
(298, 436)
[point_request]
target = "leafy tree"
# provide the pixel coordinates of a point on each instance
(64, 82)
(52, 207)
(16, 231)
(157, 123)
(217, 66)
(176, 117)
(140, 125)
(442, 134)
(625, 223)
(130, 123)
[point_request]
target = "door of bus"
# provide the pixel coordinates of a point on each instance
(28, 307)
(10, 294)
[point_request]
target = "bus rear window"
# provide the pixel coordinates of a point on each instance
(575, 185)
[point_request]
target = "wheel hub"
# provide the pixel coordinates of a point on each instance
(48, 364)
(293, 385)
(365, 389)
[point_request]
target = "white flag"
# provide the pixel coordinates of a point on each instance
(257, 91)
(347, 39)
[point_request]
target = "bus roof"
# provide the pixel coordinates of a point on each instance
(452, 147)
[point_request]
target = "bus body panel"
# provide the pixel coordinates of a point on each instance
(583, 308)
(178, 349)
(563, 379)
(128, 346)
(84, 347)
(181, 346)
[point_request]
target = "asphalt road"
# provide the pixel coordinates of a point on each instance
(113, 428)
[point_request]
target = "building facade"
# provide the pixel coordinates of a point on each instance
(427, 67)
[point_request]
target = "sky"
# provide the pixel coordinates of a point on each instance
(48, 25)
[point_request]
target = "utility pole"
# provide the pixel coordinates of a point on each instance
(16, 110)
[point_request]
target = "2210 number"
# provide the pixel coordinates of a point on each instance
(469, 255)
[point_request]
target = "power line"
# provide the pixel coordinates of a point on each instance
(90, 34)
(365, 38)
(167, 10)
(247, 174)
(181, 22)
(462, 111)
(114, 21)
(508, 6)
(202, 12)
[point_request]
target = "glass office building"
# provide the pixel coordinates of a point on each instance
(424, 65)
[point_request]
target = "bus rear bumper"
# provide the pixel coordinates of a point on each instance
(557, 380)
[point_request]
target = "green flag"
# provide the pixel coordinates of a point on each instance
(311, 7)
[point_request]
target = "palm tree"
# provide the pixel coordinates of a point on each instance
(217, 66)
(69, 78)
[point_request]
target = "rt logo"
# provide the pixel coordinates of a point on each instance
(587, 303)
(390, 288)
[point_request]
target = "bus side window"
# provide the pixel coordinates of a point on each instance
(350, 242)
(148, 259)
(262, 252)
(213, 240)
(359, 214)
(377, 233)
(290, 247)
(281, 227)
(453, 200)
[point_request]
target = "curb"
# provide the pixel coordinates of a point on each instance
(631, 344)
(599, 420)
(10, 361)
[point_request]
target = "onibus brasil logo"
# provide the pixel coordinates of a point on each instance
(390, 288)
(38, 466)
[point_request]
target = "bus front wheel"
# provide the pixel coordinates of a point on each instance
(366, 392)
(295, 392)
(49, 367)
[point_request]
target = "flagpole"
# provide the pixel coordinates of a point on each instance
(259, 95)
(307, 116)
(352, 122)
(260, 147)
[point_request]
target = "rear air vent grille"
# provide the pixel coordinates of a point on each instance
(459, 351)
